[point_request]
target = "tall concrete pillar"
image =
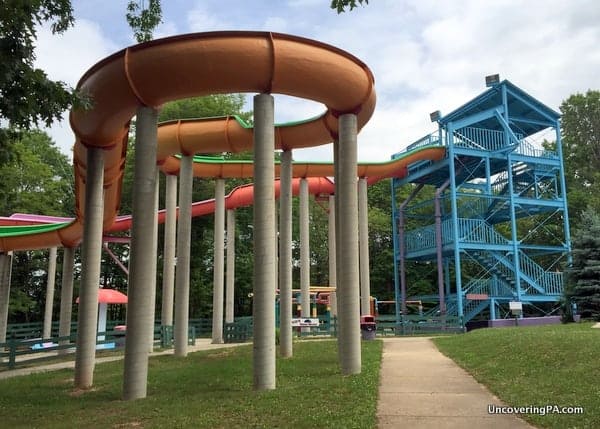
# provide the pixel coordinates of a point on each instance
(152, 298)
(348, 275)
(264, 243)
(66, 296)
(49, 305)
(5, 274)
(363, 242)
(219, 262)
(338, 253)
(182, 269)
(142, 262)
(166, 318)
(285, 255)
(304, 251)
(230, 270)
(332, 262)
(91, 252)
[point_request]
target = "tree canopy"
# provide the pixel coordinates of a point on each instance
(581, 148)
(143, 20)
(36, 178)
(203, 107)
(23, 86)
(341, 5)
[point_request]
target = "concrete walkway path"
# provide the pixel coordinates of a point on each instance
(422, 388)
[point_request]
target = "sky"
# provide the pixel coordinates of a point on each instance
(426, 55)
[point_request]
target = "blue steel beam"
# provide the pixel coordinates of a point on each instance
(477, 117)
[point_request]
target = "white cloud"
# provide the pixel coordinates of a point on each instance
(428, 55)
(293, 109)
(166, 29)
(199, 19)
(67, 57)
(425, 54)
(276, 24)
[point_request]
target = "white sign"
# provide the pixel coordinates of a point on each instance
(515, 305)
(299, 322)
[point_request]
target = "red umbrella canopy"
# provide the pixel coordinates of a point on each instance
(110, 296)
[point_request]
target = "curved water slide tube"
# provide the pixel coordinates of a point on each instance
(191, 129)
(153, 73)
(242, 195)
(277, 63)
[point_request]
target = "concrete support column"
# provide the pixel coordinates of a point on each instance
(66, 296)
(142, 262)
(264, 243)
(304, 251)
(285, 255)
(91, 252)
(338, 253)
(363, 242)
(332, 262)
(230, 273)
(182, 270)
(49, 305)
(348, 275)
(219, 262)
(5, 274)
(155, 250)
(169, 250)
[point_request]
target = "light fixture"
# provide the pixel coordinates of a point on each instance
(492, 80)
(435, 116)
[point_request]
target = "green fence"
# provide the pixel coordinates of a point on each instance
(36, 350)
(417, 325)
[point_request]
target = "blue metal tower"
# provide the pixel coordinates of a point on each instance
(497, 226)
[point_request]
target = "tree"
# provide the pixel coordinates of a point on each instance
(143, 20)
(583, 285)
(581, 148)
(36, 178)
(22, 86)
(341, 5)
(203, 107)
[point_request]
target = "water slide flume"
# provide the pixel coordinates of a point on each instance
(153, 73)
(20, 224)
(24, 225)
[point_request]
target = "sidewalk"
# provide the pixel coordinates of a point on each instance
(422, 388)
(201, 344)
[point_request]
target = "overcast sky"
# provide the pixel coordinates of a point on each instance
(425, 54)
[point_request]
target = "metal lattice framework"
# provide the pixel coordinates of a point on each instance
(498, 225)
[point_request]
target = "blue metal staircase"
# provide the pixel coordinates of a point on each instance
(495, 194)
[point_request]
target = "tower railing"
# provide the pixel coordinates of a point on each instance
(528, 149)
(478, 231)
(551, 282)
(483, 139)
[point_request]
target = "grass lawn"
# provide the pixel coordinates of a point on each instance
(539, 366)
(211, 389)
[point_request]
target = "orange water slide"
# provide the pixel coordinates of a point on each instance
(242, 196)
(162, 70)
